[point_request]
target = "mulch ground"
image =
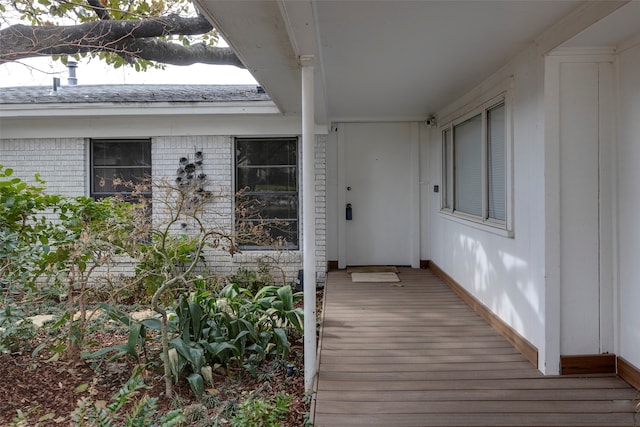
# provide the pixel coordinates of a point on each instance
(47, 390)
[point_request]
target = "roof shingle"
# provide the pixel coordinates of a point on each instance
(83, 94)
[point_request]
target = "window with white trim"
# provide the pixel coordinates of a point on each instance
(475, 166)
(267, 184)
(118, 166)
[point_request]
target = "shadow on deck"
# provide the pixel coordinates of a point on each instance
(414, 354)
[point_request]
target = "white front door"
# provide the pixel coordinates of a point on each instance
(379, 165)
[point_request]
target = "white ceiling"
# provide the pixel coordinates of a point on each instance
(616, 28)
(394, 60)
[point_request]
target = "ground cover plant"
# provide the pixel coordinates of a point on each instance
(208, 350)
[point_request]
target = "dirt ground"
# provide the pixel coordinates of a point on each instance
(47, 391)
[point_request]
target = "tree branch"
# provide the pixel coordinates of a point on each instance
(138, 38)
(99, 9)
(176, 54)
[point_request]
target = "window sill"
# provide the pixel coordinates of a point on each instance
(488, 226)
(283, 256)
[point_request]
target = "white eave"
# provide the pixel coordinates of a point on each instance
(136, 108)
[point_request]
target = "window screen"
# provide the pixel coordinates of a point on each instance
(496, 162)
(267, 184)
(468, 166)
(116, 162)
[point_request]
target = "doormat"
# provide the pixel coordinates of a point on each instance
(381, 277)
(373, 269)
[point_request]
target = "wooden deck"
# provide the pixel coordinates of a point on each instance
(414, 354)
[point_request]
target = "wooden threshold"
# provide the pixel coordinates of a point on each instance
(588, 364)
(528, 350)
(332, 265)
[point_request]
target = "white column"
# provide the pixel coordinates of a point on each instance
(309, 220)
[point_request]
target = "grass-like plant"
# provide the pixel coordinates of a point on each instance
(129, 407)
(262, 412)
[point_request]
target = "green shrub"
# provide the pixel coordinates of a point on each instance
(125, 408)
(261, 412)
(232, 325)
(16, 332)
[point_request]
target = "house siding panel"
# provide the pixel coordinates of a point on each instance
(506, 274)
(628, 204)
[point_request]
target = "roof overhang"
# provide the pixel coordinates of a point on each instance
(381, 60)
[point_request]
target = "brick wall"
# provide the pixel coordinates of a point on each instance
(63, 164)
(60, 162)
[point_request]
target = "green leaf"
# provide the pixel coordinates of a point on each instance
(196, 315)
(116, 314)
(197, 384)
(286, 296)
(46, 417)
(81, 388)
(152, 324)
(120, 349)
(194, 355)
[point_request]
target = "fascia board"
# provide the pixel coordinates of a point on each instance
(137, 109)
(257, 33)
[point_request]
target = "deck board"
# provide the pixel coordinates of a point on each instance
(413, 354)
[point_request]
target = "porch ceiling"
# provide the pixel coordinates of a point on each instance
(386, 60)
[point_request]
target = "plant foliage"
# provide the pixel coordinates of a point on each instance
(232, 326)
(126, 408)
(140, 33)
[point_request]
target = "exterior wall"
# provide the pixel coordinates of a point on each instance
(59, 161)
(63, 163)
(579, 84)
(334, 210)
(628, 203)
(506, 274)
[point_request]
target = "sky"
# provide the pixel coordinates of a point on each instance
(41, 71)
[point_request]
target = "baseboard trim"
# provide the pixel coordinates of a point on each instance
(588, 364)
(528, 350)
(628, 372)
(332, 265)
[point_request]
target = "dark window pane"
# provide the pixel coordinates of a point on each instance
(122, 153)
(259, 152)
(282, 234)
(115, 164)
(267, 182)
(267, 179)
(270, 206)
(114, 180)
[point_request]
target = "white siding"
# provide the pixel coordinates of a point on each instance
(579, 184)
(628, 180)
(506, 274)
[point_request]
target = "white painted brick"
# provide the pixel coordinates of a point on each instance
(63, 165)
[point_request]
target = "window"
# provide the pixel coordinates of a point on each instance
(118, 160)
(267, 184)
(475, 166)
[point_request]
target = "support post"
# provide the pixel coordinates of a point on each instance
(309, 220)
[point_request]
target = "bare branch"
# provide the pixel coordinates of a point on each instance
(137, 38)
